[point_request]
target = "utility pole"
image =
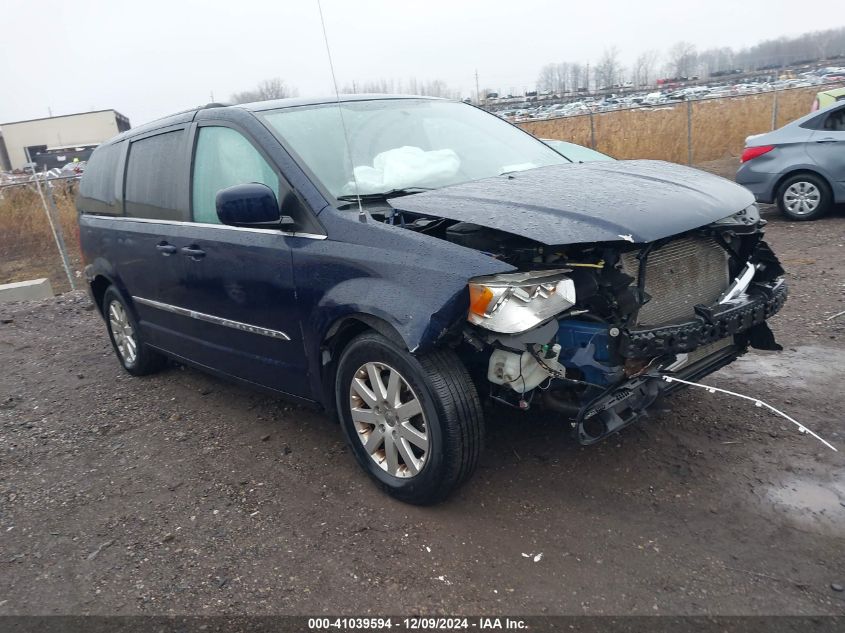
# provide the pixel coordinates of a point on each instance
(689, 132)
(477, 91)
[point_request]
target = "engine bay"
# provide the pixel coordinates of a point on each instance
(673, 305)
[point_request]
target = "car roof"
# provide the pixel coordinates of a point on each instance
(186, 116)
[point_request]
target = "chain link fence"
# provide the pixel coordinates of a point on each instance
(39, 232)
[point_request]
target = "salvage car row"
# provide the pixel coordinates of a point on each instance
(551, 107)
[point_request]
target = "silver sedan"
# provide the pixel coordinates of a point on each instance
(801, 166)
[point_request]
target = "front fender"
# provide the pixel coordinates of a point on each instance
(418, 320)
(415, 283)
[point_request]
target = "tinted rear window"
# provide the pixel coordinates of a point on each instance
(153, 177)
(97, 190)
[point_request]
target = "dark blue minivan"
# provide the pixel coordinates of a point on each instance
(400, 261)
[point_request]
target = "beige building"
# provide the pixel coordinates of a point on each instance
(52, 141)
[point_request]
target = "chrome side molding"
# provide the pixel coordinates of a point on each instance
(221, 227)
(210, 318)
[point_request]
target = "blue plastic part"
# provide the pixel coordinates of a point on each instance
(585, 345)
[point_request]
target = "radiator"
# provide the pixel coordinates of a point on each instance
(684, 273)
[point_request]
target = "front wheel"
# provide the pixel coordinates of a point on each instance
(413, 423)
(804, 197)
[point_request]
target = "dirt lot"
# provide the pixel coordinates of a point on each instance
(183, 494)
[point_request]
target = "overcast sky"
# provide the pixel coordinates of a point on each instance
(147, 59)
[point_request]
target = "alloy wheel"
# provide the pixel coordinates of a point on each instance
(389, 419)
(123, 333)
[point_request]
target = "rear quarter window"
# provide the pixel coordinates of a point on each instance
(154, 171)
(98, 189)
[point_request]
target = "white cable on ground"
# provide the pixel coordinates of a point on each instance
(757, 402)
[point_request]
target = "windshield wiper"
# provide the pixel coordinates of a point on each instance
(384, 195)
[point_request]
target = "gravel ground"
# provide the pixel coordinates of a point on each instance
(183, 494)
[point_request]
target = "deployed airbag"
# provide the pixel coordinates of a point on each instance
(405, 167)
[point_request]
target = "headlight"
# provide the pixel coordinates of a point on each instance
(517, 302)
(748, 216)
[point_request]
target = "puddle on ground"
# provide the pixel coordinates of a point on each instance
(812, 503)
(799, 374)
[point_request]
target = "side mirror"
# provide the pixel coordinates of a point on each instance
(251, 204)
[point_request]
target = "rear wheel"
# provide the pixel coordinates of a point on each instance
(804, 197)
(131, 351)
(413, 423)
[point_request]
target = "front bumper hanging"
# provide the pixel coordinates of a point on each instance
(712, 324)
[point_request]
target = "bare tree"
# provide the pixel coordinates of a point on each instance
(372, 86)
(275, 88)
(579, 77)
(554, 78)
(644, 68)
(715, 60)
(783, 51)
(547, 79)
(682, 59)
(432, 88)
(609, 70)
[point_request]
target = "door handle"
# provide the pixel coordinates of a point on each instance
(193, 251)
(165, 249)
(827, 140)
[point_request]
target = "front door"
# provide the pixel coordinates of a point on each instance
(233, 297)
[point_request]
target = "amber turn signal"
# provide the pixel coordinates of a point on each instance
(479, 299)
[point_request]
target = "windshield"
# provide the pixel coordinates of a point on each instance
(576, 153)
(398, 144)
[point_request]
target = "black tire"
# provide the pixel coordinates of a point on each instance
(825, 201)
(453, 417)
(146, 360)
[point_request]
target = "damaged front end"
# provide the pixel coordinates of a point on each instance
(587, 330)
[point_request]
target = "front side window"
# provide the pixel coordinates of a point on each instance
(404, 143)
(224, 157)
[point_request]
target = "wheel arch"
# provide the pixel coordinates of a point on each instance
(795, 172)
(99, 284)
(338, 336)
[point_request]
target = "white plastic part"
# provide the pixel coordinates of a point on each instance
(521, 372)
(740, 284)
(757, 403)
